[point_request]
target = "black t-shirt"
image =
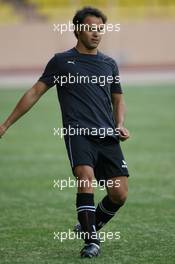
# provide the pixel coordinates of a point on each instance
(84, 86)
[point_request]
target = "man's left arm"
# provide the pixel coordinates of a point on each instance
(119, 110)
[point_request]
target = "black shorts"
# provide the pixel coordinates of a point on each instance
(104, 155)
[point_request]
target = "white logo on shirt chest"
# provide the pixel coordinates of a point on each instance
(71, 62)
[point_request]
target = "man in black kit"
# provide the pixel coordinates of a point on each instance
(91, 101)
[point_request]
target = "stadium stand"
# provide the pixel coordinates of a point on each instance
(122, 9)
(146, 39)
(13, 11)
(7, 14)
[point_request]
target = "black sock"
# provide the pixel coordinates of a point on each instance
(106, 209)
(86, 216)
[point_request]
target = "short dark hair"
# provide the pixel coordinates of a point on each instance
(87, 11)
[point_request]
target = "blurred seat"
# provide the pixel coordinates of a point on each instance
(7, 14)
(63, 9)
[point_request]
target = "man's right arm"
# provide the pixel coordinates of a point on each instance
(24, 105)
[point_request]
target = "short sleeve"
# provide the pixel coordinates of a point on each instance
(50, 71)
(115, 85)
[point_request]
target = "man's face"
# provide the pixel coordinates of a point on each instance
(91, 33)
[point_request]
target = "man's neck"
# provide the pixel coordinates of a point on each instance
(84, 50)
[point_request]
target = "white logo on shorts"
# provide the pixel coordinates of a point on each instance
(124, 165)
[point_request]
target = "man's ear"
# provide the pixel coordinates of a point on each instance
(77, 33)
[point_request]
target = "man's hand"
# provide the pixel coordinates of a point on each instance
(123, 133)
(2, 130)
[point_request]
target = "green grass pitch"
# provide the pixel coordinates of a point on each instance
(31, 209)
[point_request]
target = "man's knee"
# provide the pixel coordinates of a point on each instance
(83, 173)
(119, 197)
(84, 176)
